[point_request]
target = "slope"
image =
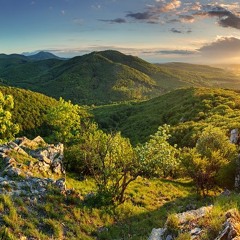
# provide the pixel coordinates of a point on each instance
(29, 110)
(110, 76)
(187, 110)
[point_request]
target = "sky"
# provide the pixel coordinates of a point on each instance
(203, 31)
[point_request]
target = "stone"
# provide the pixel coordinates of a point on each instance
(196, 231)
(46, 160)
(3, 148)
(234, 136)
(169, 237)
(193, 214)
(14, 172)
(12, 145)
(226, 193)
(61, 184)
(157, 234)
(39, 140)
(231, 226)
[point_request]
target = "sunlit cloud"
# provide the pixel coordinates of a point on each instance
(223, 47)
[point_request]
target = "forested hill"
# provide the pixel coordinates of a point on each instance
(108, 76)
(187, 110)
(29, 110)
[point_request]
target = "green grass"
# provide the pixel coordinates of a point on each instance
(147, 206)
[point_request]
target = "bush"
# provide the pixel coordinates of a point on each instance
(109, 159)
(212, 156)
(158, 157)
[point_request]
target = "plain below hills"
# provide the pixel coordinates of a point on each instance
(106, 77)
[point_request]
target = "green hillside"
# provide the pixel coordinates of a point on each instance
(38, 202)
(188, 110)
(29, 110)
(108, 76)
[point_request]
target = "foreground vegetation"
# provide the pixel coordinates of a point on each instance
(149, 203)
(74, 217)
(121, 190)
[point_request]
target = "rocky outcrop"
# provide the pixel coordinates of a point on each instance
(186, 220)
(231, 226)
(188, 223)
(28, 167)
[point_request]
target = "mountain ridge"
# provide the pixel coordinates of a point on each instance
(108, 76)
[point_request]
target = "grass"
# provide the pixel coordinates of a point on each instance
(68, 217)
(150, 202)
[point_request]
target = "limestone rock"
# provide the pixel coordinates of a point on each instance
(193, 214)
(234, 136)
(184, 219)
(231, 226)
(157, 234)
(32, 158)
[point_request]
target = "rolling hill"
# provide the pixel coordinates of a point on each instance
(108, 76)
(186, 110)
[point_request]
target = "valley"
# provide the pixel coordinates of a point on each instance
(144, 145)
(107, 77)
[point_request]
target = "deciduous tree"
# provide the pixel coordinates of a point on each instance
(7, 128)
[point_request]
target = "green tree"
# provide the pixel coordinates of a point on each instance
(67, 121)
(7, 128)
(112, 162)
(213, 153)
(157, 156)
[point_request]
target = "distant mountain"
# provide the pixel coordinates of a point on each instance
(43, 56)
(109, 76)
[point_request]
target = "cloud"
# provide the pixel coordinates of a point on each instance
(230, 21)
(140, 15)
(174, 30)
(153, 12)
(174, 4)
(226, 18)
(186, 18)
(117, 20)
(177, 52)
(222, 48)
(78, 21)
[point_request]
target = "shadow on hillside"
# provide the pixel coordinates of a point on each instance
(139, 226)
(178, 183)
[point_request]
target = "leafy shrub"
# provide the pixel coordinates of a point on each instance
(158, 157)
(213, 153)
